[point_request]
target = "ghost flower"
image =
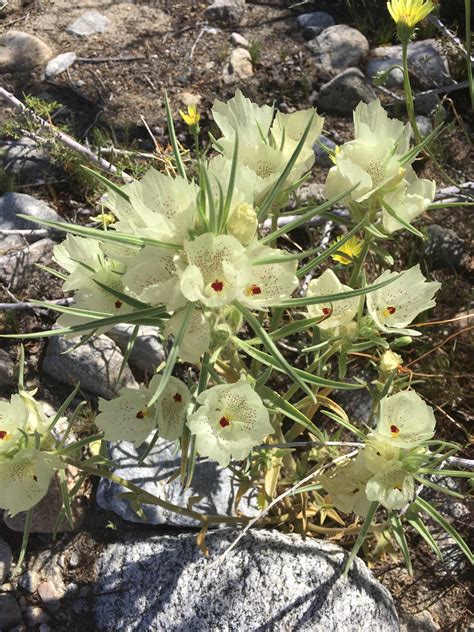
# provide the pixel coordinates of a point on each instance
(393, 487)
(346, 486)
(197, 337)
(14, 417)
(332, 313)
(231, 420)
(397, 304)
(215, 271)
(405, 420)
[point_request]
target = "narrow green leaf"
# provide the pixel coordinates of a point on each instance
(281, 362)
(129, 349)
(401, 221)
(361, 537)
(269, 360)
(289, 410)
(400, 539)
(125, 298)
(288, 330)
(230, 185)
(49, 270)
(417, 523)
(330, 298)
(427, 508)
(304, 217)
(64, 406)
(173, 355)
(173, 139)
(21, 369)
(106, 182)
(132, 317)
(410, 156)
(102, 235)
(210, 200)
(277, 187)
(344, 423)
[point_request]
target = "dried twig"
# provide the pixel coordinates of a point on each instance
(64, 138)
(25, 305)
(30, 232)
(104, 60)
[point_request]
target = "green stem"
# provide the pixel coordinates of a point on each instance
(360, 261)
(408, 92)
(150, 499)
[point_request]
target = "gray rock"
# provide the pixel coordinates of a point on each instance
(445, 248)
(424, 124)
(226, 12)
(12, 204)
(379, 65)
(10, 613)
(147, 351)
(210, 481)
(427, 103)
(30, 580)
(25, 161)
(318, 20)
(239, 40)
(95, 364)
(271, 581)
(342, 94)
(59, 64)
(7, 370)
(322, 158)
(22, 52)
(239, 66)
(5, 560)
(426, 63)
(89, 23)
(339, 47)
(16, 263)
(50, 594)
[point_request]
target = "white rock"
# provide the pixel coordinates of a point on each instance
(89, 23)
(239, 66)
(147, 351)
(270, 582)
(239, 40)
(339, 47)
(226, 12)
(14, 204)
(95, 364)
(59, 64)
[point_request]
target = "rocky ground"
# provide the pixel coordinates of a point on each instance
(102, 66)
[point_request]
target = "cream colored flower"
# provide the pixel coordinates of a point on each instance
(14, 417)
(268, 283)
(217, 269)
(197, 338)
(405, 420)
(239, 112)
(346, 486)
(151, 277)
(128, 417)
(336, 313)
(379, 455)
(393, 487)
(25, 478)
(410, 200)
(242, 223)
(160, 207)
(230, 421)
(396, 305)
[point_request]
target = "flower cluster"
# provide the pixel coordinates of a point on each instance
(383, 470)
(376, 168)
(229, 422)
(26, 465)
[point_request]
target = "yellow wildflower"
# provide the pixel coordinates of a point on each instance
(105, 219)
(348, 251)
(193, 117)
(409, 12)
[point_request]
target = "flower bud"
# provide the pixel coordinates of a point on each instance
(242, 224)
(390, 361)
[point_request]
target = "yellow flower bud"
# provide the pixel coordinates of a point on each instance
(193, 117)
(390, 361)
(242, 224)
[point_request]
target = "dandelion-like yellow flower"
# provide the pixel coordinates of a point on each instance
(105, 219)
(409, 12)
(348, 251)
(193, 117)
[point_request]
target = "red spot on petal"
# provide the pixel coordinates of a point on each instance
(391, 310)
(177, 398)
(35, 478)
(3, 434)
(326, 311)
(223, 422)
(255, 289)
(394, 429)
(118, 304)
(140, 414)
(217, 285)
